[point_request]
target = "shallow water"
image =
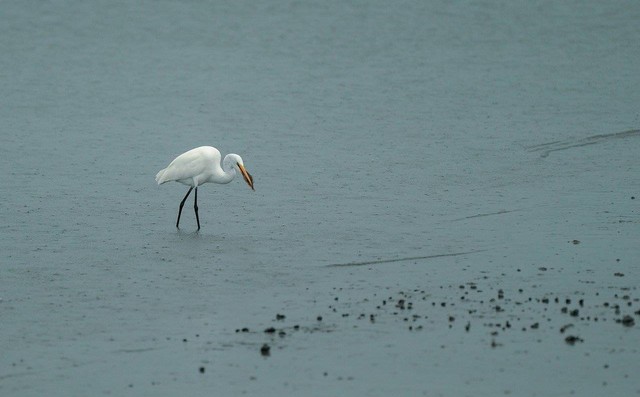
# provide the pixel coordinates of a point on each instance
(477, 160)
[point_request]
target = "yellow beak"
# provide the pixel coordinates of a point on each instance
(247, 176)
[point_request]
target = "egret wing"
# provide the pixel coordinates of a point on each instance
(183, 168)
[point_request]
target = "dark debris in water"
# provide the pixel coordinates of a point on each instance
(627, 321)
(565, 327)
(572, 339)
(469, 308)
(265, 350)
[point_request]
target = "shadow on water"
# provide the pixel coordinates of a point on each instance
(188, 234)
(209, 241)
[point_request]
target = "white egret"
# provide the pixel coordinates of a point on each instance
(199, 166)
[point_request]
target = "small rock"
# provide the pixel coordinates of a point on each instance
(565, 327)
(265, 350)
(572, 339)
(202, 370)
(627, 321)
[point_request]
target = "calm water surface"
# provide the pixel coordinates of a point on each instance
(439, 187)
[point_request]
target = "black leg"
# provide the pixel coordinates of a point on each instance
(195, 207)
(182, 205)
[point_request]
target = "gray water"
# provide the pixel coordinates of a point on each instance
(445, 191)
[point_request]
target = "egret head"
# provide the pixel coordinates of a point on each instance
(238, 164)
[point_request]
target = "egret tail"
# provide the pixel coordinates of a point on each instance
(159, 177)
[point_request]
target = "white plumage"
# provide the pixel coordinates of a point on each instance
(199, 166)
